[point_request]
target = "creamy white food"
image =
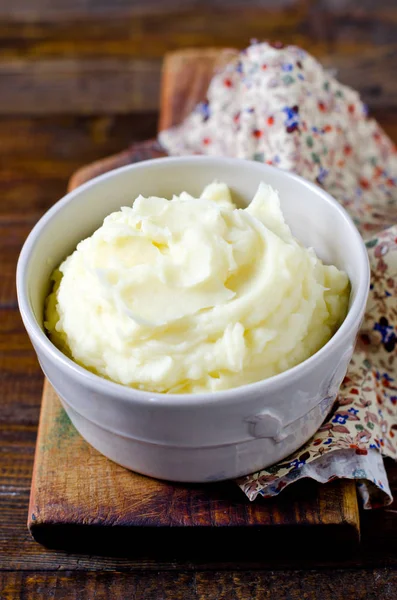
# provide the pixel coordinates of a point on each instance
(194, 295)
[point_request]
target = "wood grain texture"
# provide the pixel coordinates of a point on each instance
(124, 85)
(89, 58)
(58, 10)
(134, 153)
(81, 499)
(186, 76)
(19, 552)
(154, 27)
(185, 79)
(375, 584)
(38, 155)
(86, 87)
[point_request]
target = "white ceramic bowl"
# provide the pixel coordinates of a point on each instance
(201, 437)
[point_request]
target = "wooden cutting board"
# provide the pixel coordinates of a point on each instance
(82, 501)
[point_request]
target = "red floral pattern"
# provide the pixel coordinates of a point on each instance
(278, 105)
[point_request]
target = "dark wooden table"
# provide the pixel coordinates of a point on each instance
(79, 80)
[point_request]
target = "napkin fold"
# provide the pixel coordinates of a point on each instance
(278, 105)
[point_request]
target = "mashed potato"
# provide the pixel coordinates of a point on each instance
(194, 295)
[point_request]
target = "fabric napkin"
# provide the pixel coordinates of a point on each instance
(278, 105)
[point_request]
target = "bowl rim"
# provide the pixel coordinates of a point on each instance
(128, 394)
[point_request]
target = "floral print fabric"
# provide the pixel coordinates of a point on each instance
(279, 106)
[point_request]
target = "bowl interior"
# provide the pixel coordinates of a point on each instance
(314, 219)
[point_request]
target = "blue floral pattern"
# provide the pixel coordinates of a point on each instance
(277, 105)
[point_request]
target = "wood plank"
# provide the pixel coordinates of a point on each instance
(72, 139)
(17, 439)
(39, 154)
(12, 236)
(66, 513)
(18, 551)
(13, 337)
(21, 398)
(104, 57)
(60, 10)
(135, 153)
(376, 584)
(152, 33)
(17, 357)
(150, 29)
(68, 86)
(185, 81)
(369, 74)
(124, 85)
